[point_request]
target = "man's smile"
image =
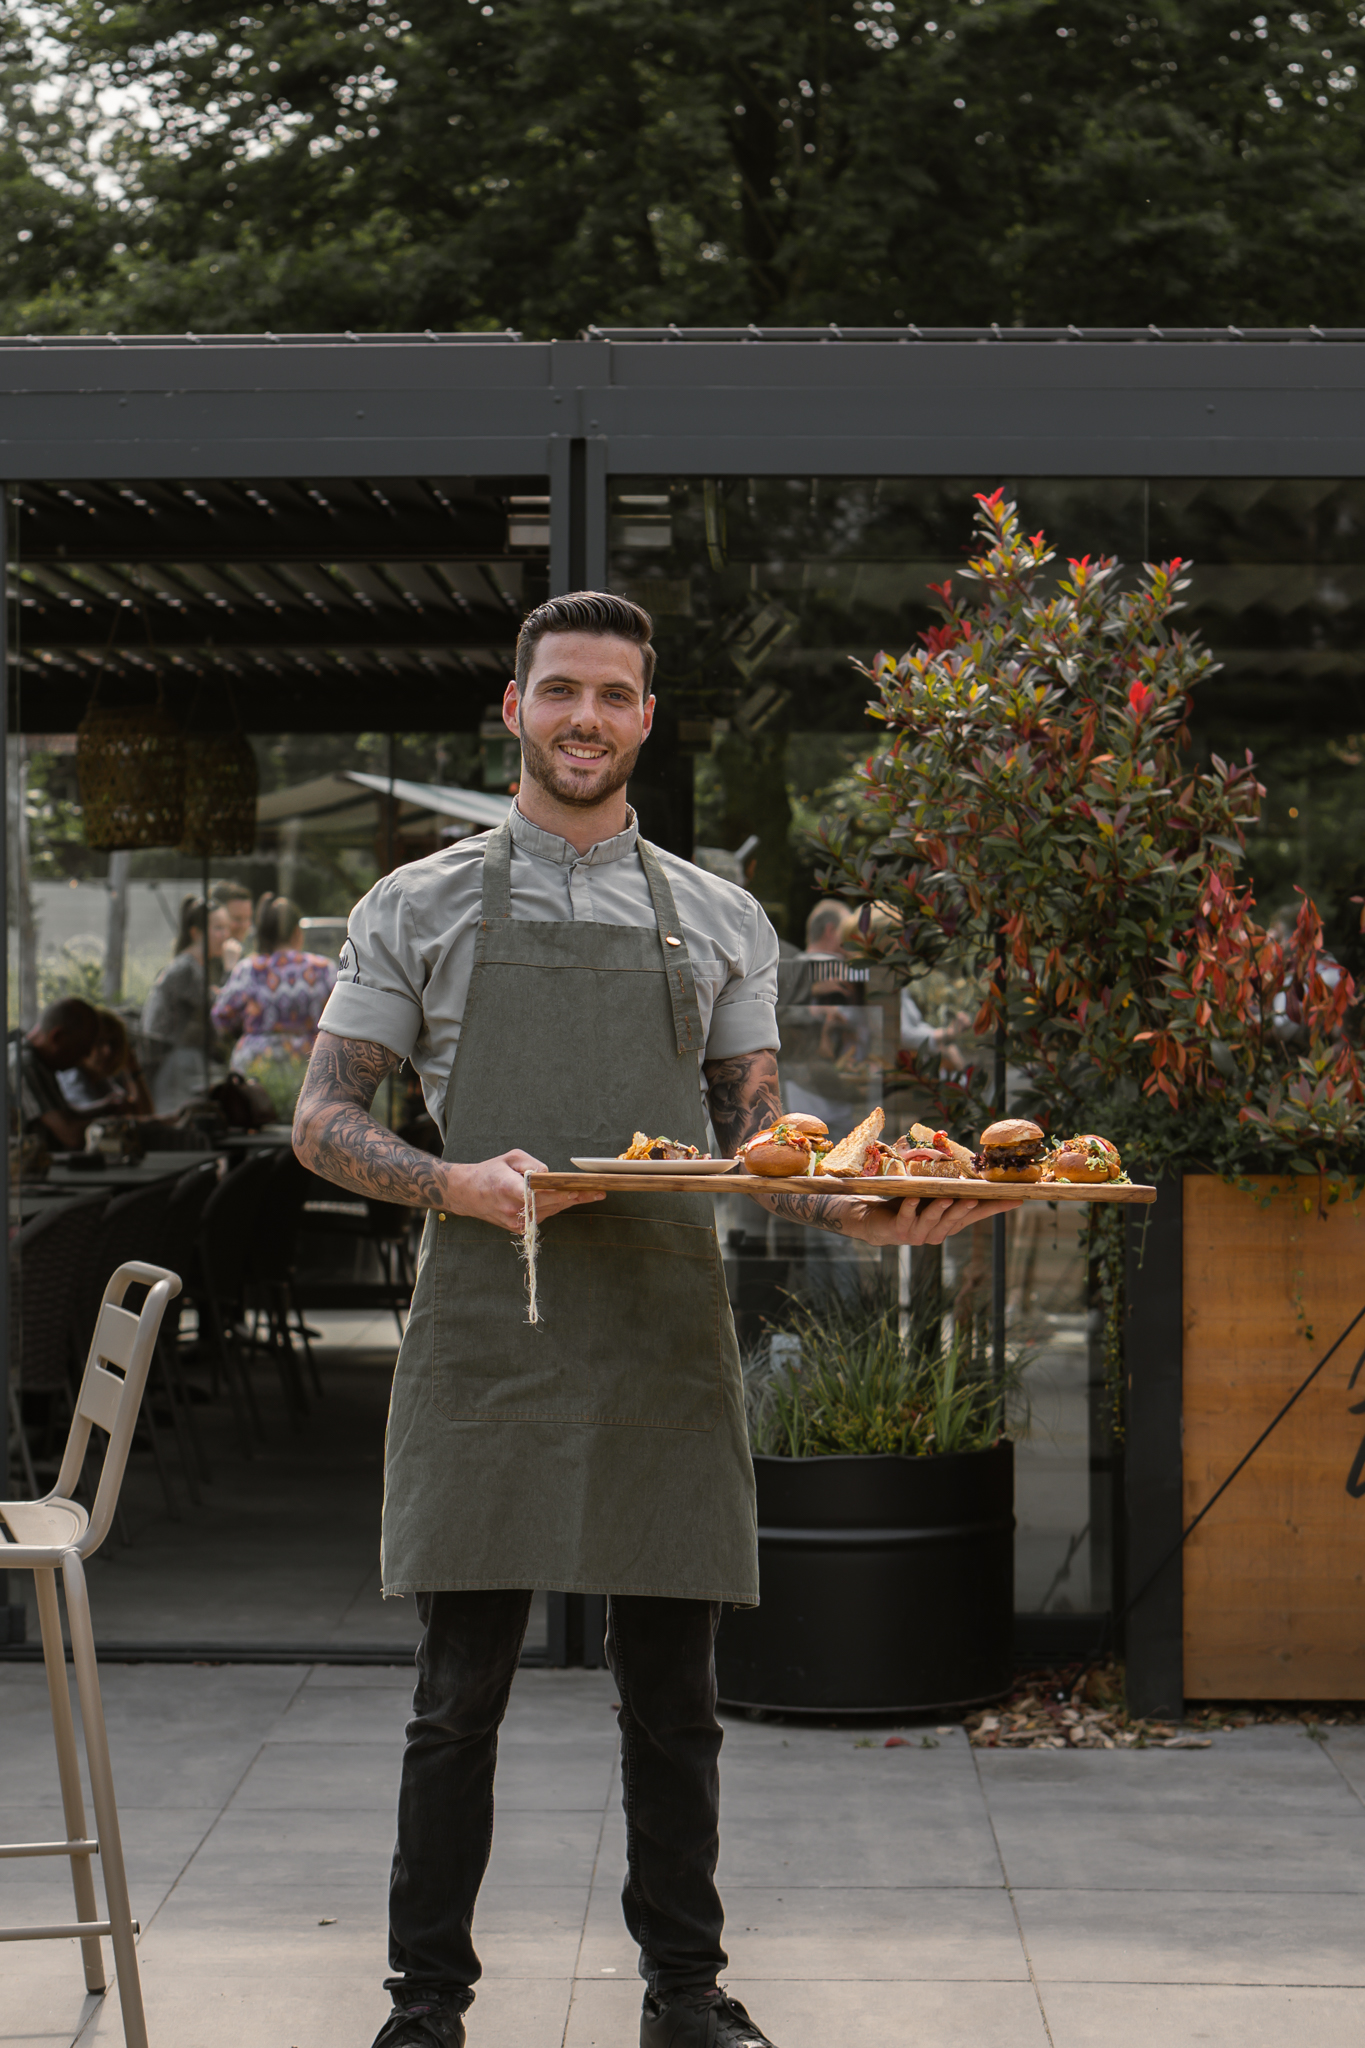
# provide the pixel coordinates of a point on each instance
(582, 750)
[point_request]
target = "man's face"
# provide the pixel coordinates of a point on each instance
(238, 910)
(582, 716)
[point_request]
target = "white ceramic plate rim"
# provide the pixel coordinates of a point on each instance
(654, 1165)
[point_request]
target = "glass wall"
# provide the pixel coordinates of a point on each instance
(762, 590)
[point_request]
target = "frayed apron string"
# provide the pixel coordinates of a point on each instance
(528, 1244)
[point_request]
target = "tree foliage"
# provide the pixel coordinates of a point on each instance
(1036, 796)
(543, 164)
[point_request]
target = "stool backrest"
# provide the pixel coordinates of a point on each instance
(112, 1388)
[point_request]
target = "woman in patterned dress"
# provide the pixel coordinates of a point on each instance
(272, 1001)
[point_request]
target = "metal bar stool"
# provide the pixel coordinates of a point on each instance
(56, 1534)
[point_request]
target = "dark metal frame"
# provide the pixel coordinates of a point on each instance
(669, 401)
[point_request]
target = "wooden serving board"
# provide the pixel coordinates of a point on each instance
(894, 1190)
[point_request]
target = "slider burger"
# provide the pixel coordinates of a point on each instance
(1086, 1158)
(1012, 1150)
(795, 1144)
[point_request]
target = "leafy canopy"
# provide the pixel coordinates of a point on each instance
(320, 165)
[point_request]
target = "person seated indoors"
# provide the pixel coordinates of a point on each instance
(63, 1037)
(108, 1081)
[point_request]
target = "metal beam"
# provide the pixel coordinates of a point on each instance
(878, 408)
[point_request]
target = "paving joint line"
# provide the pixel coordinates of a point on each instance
(1014, 1903)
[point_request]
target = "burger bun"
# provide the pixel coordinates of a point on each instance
(1013, 1173)
(774, 1161)
(1011, 1131)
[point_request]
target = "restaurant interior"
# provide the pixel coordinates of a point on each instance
(358, 635)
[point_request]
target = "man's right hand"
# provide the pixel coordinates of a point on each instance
(492, 1191)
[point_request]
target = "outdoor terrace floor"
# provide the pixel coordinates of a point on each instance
(893, 1898)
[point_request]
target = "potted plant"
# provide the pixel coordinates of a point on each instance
(886, 1516)
(1034, 818)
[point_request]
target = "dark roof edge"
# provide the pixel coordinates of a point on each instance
(911, 335)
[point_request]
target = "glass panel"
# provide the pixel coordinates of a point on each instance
(762, 588)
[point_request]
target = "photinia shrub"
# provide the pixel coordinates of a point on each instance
(1035, 815)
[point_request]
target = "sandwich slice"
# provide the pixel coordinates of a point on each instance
(850, 1155)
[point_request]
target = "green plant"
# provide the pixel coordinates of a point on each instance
(852, 1379)
(77, 970)
(1034, 818)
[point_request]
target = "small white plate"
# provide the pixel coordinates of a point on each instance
(654, 1165)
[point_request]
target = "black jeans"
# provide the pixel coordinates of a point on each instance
(662, 1655)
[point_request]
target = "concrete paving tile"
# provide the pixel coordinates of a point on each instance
(1215, 2016)
(322, 1775)
(396, 1677)
(43, 2000)
(1346, 1749)
(813, 2014)
(249, 1843)
(1189, 1820)
(346, 1714)
(323, 2002)
(1152, 1937)
(852, 1934)
(917, 1845)
(556, 1849)
(157, 1844)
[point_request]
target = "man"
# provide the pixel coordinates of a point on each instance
(559, 982)
(64, 1035)
(235, 899)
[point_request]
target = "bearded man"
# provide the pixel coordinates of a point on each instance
(558, 984)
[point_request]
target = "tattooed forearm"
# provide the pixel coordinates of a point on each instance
(335, 1134)
(744, 1096)
(821, 1212)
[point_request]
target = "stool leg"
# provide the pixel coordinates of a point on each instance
(102, 1794)
(68, 1768)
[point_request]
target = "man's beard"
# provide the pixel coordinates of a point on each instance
(539, 764)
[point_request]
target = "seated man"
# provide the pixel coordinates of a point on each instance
(63, 1036)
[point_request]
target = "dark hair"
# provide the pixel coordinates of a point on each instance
(587, 611)
(223, 893)
(70, 1013)
(110, 1029)
(193, 915)
(277, 919)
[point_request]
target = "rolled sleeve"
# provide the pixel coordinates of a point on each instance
(380, 977)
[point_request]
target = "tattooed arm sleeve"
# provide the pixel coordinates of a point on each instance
(335, 1134)
(744, 1097)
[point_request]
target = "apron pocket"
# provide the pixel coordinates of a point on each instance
(633, 1329)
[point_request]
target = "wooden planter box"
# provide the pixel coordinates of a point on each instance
(1274, 1580)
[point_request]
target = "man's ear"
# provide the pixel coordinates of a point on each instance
(646, 719)
(509, 709)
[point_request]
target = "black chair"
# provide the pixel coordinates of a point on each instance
(331, 1211)
(275, 1258)
(230, 1234)
(45, 1327)
(178, 1250)
(133, 1228)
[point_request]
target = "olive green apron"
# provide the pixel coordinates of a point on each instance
(603, 1449)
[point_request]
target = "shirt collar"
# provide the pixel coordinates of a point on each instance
(549, 846)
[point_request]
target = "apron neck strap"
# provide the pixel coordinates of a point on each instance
(497, 874)
(682, 990)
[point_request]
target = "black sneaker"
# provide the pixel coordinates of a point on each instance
(423, 2023)
(704, 2019)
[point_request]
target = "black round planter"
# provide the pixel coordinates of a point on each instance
(887, 1585)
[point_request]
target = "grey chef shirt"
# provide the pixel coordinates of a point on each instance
(404, 971)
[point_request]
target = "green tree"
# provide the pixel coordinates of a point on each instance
(543, 164)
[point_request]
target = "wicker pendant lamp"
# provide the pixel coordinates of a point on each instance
(220, 795)
(130, 765)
